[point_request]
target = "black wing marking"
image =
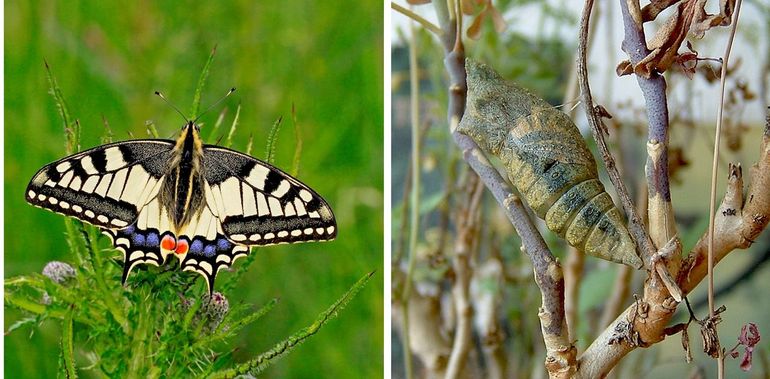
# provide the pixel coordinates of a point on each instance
(258, 204)
(106, 186)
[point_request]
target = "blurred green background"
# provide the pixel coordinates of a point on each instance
(109, 57)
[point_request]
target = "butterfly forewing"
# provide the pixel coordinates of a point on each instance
(105, 186)
(259, 204)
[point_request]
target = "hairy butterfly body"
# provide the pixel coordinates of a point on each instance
(548, 161)
(204, 204)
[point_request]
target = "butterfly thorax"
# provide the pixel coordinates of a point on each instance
(181, 195)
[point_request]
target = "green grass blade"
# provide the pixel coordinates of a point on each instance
(258, 364)
(272, 139)
(71, 129)
(201, 82)
(229, 141)
(298, 146)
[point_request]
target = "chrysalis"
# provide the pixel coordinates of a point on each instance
(548, 161)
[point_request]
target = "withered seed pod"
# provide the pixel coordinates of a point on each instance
(548, 161)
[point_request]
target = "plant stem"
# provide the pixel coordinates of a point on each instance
(714, 171)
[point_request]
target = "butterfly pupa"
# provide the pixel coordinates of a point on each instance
(548, 162)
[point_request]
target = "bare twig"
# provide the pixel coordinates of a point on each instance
(416, 17)
(467, 225)
(714, 170)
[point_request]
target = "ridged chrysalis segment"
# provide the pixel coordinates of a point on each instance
(548, 161)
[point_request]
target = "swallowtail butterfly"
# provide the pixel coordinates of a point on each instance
(203, 204)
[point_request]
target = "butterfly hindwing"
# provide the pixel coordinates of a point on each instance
(105, 186)
(259, 204)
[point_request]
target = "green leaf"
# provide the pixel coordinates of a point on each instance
(67, 346)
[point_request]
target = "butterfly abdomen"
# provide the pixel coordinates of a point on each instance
(547, 160)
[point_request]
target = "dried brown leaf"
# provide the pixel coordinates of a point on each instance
(690, 16)
(651, 10)
(474, 31)
(624, 68)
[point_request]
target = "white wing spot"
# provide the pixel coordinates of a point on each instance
(249, 201)
(319, 230)
(269, 236)
(257, 176)
(301, 211)
(296, 233)
(88, 165)
(136, 255)
(122, 241)
(90, 184)
(119, 223)
(117, 184)
(64, 166)
(314, 214)
(223, 258)
(289, 210)
(104, 185)
(262, 204)
(114, 159)
(90, 213)
(206, 266)
(64, 204)
(283, 187)
(31, 194)
(53, 200)
(77, 208)
(65, 180)
(238, 237)
(282, 234)
(330, 229)
(309, 231)
(135, 184)
(231, 196)
(255, 237)
(76, 183)
(275, 206)
(50, 183)
(41, 197)
(305, 195)
(102, 218)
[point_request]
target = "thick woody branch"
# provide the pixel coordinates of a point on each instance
(738, 223)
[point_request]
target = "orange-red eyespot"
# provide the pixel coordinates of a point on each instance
(182, 246)
(168, 242)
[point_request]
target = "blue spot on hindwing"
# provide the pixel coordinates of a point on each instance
(223, 244)
(153, 239)
(137, 239)
(196, 247)
(209, 251)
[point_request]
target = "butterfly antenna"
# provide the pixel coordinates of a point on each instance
(215, 104)
(172, 106)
